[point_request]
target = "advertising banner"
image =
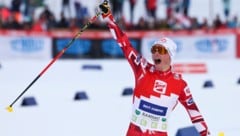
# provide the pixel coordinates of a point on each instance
(91, 48)
(198, 46)
(25, 47)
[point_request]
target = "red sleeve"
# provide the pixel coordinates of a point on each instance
(137, 62)
(189, 104)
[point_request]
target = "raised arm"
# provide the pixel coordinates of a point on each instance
(136, 61)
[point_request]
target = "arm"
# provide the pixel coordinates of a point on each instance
(137, 62)
(187, 101)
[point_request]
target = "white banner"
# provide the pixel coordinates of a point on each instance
(26, 47)
(198, 46)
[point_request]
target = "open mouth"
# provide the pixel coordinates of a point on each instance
(157, 61)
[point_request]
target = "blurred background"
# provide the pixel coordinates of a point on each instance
(88, 91)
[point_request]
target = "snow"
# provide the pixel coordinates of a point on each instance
(106, 112)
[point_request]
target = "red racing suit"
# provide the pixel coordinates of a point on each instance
(155, 94)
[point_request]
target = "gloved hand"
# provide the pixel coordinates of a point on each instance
(105, 8)
(206, 131)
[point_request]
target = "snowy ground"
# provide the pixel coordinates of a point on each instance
(106, 113)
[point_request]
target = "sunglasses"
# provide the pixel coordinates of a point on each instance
(160, 49)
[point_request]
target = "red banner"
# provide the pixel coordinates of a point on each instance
(191, 68)
(238, 44)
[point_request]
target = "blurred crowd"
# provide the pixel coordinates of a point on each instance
(20, 15)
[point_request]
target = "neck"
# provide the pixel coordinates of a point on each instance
(164, 72)
(163, 68)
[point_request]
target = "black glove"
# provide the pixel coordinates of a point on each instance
(105, 8)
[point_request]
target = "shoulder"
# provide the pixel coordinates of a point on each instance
(177, 76)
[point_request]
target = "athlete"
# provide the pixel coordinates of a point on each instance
(157, 88)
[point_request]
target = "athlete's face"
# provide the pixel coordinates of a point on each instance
(160, 57)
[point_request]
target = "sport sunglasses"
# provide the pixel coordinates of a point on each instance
(160, 49)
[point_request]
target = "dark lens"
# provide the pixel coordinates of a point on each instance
(153, 49)
(160, 49)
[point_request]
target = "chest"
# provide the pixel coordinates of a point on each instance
(154, 85)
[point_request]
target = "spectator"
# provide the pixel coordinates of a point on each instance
(195, 24)
(141, 25)
(51, 22)
(48, 17)
(177, 16)
(40, 24)
(132, 5)
(204, 25)
(47, 13)
(151, 7)
(15, 9)
(233, 23)
(66, 8)
(217, 22)
(117, 6)
(180, 21)
(28, 13)
(63, 22)
(4, 13)
(81, 12)
(171, 7)
(13, 23)
(226, 8)
(15, 5)
(72, 25)
(185, 6)
(162, 24)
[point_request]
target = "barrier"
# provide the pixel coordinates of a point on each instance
(208, 84)
(82, 95)
(222, 43)
(238, 82)
(127, 91)
(29, 101)
(25, 46)
(187, 131)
